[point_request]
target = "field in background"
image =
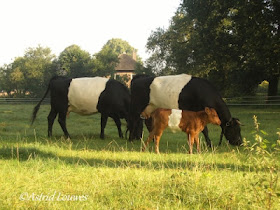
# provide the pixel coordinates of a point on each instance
(87, 172)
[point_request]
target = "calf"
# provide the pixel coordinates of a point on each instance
(187, 121)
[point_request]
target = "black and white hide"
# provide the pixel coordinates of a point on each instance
(183, 92)
(86, 96)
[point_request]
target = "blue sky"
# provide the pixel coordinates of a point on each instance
(88, 23)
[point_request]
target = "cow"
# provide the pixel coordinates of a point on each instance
(86, 96)
(192, 123)
(184, 92)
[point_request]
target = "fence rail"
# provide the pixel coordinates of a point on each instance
(236, 101)
(22, 100)
(254, 101)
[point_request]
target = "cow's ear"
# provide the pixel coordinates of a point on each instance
(207, 110)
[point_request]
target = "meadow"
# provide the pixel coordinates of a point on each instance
(85, 172)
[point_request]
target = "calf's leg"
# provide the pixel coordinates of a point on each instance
(197, 143)
(155, 134)
(190, 142)
(149, 139)
(157, 139)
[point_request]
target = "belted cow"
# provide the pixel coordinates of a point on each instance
(86, 96)
(183, 92)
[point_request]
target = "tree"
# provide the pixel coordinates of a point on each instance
(28, 74)
(233, 43)
(107, 59)
(258, 21)
(75, 62)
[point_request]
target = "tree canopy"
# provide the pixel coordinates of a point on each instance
(75, 62)
(107, 59)
(29, 75)
(233, 43)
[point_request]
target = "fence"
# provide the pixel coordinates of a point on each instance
(236, 101)
(253, 101)
(22, 100)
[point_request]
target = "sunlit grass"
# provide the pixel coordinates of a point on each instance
(114, 174)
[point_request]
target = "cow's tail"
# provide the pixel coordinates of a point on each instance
(37, 107)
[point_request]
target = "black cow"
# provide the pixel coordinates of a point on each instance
(183, 92)
(86, 96)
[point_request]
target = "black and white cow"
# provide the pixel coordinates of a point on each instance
(86, 96)
(183, 92)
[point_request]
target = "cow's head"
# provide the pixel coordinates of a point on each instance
(135, 128)
(232, 132)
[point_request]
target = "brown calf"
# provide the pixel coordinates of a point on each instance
(189, 122)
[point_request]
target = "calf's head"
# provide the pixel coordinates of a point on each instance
(213, 116)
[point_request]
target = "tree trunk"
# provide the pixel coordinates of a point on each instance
(273, 87)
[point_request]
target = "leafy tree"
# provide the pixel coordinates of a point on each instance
(233, 43)
(75, 62)
(107, 59)
(28, 74)
(5, 83)
(140, 69)
(258, 22)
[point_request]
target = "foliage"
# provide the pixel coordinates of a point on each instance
(264, 186)
(226, 42)
(140, 69)
(28, 74)
(75, 62)
(107, 58)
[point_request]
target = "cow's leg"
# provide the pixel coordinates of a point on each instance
(221, 137)
(104, 118)
(205, 133)
(118, 124)
(51, 118)
(62, 122)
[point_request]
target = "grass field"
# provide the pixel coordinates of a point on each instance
(86, 172)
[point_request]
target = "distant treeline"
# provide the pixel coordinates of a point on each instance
(234, 44)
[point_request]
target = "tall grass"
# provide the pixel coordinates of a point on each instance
(89, 173)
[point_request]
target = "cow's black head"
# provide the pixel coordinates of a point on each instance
(135, 128)
(232, 132)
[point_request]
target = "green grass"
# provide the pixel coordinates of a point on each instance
(45, 173)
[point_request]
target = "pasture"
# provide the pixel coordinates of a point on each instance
(86, 172)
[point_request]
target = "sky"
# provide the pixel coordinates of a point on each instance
(58, 24)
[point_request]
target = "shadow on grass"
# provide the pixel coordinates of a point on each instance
(24, 154)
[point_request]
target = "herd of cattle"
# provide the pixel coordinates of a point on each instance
(150, 99)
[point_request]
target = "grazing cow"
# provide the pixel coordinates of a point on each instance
(86, 96)
(183, 92)
(192, 123)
